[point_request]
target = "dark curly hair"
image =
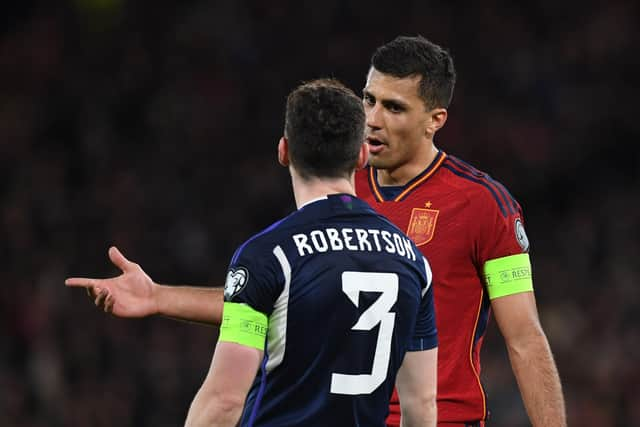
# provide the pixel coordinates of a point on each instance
(324, 124)
(417, 56)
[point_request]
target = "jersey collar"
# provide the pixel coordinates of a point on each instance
(411, 185)
(308, 202)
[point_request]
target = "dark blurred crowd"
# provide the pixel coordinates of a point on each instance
(153, 125)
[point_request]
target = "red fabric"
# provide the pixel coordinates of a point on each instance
(469, 229)
(393, 420)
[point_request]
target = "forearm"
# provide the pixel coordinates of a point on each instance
(416, 383)
(419, 414)
(190, 303)
(211, 412)
(538, 380)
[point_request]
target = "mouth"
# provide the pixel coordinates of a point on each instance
(375, 145)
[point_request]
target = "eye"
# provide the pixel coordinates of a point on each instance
(369, 99)
(395, 108)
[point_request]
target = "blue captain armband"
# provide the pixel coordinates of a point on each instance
(242, 324)
(508, 275)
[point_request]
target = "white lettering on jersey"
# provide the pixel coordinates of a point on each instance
(334, 239)
(362, 239)
(301, 244)
(359, 239)
(346, 235)
(319, 242)
(386, 236)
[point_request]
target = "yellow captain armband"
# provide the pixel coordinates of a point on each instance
(242, 324)
(508, 275)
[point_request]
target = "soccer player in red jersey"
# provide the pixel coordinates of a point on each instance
(467, 224)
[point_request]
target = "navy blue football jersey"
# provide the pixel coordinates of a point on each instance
(347, 294)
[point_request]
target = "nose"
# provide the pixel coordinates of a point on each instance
(374, 116)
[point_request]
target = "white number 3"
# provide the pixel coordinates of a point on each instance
(354, 282)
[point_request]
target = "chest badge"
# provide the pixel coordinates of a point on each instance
(422, 225)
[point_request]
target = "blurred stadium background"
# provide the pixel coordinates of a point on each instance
(153, 125)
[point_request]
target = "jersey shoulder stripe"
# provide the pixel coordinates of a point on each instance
(505, 203)
(264, 232)
(478, 181)
(272, 227)
(507, 197)
(514, 203)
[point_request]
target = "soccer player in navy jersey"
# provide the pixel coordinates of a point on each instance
(324, 309)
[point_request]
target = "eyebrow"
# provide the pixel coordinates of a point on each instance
(394, 103)
(387, 102)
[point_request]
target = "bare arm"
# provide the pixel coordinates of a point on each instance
(220, 400)
(190, 303)
(135, 294)
(531, 359)
(417, 383)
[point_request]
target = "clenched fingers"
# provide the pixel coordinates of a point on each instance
(101, 296)
(108, 304)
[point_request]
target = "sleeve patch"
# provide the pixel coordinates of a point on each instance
(242, 324)
(508, 275)
(237, 279)
(521, 236)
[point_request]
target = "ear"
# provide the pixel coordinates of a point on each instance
(283, 152)
(363, 155)
(437, 119)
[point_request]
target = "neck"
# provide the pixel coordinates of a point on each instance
(404, 173)
(305, 190)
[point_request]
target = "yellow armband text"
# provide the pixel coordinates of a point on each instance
(242, 324)
(508, 275)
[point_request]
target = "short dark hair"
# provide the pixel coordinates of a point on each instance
(324, 125)
(416, 56)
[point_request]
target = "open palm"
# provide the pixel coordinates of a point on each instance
(130, 294)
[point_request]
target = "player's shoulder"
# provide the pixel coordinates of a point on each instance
(279, 232)
(479, 187)
(386, 223)
(264, 240)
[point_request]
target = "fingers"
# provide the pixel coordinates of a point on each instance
(100, 299)
(119, 260)
(92, 292)
(103, 299)
(81, 282)
(108, 304)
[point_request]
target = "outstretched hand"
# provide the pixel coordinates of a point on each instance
(130, 294)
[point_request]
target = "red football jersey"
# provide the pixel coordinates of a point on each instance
(460, 218)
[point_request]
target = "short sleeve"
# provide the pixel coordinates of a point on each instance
(426, 334)
(500, 231)
(253, 277)
(502, 246)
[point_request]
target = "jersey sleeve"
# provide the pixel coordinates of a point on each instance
(502, 245)
(426, 335)
(254, 278)
(251, 289)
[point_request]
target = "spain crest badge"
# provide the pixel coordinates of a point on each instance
(422, 225)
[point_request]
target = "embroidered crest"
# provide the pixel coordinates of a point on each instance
(521, 236)
(422, 225)
(237, 278)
